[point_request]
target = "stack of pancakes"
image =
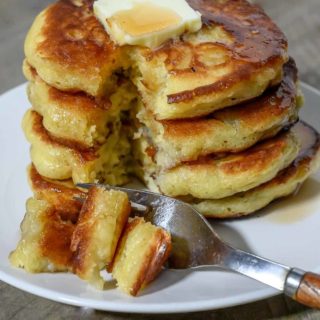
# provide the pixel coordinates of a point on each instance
(210, 117)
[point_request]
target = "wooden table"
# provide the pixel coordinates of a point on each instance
(301, 22)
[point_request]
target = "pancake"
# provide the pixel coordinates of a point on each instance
(45, 240)
(70, 49)
(237, 54)
(61, 195)
(213, 177)
(102, 219)
(141, 253)
(285, 183)
(229, 130)
(61, 159)
(216, 108)
(76, 116)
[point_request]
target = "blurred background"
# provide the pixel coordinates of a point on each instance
(300, 20)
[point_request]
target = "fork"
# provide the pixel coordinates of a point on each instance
(195, 244)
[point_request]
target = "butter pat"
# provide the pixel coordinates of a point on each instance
(146, 23)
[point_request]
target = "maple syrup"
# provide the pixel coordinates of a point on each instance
(145, 18)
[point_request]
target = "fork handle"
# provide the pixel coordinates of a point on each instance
(303, 287)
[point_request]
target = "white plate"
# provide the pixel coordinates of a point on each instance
(288, 234)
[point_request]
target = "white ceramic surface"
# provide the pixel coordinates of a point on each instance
(286, 231)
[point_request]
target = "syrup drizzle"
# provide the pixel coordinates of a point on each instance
(145, 18)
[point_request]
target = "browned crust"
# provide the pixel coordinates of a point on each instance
(258, 156)
(83, 233)
(74, 38)
(301, 165)
(70, 100)
(62, 198)
(56, 238)
(276, 102)
(256, 43)
(81, 236)
(87, 154)
(154, 260)
(244, 72)
(309, 149)
(80, 100)
(158, 255)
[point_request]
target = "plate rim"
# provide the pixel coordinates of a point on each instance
(150, 308)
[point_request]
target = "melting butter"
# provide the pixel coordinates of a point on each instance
(146, 22)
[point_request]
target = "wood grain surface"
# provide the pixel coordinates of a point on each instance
(308, 292)
(300, 20)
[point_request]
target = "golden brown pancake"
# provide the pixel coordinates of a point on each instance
(70, 49)
(208, 100)
(61, 195)
(102, 219)
(45, 240)
(141, 253)
(76, 116)
(236, 55)
(284, 184)
(62, 159)
(229, 130)
(214, 177)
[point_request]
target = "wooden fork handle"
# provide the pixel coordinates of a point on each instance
(303, 287)
(308, 292)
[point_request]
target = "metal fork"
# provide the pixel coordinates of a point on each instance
(195, 244)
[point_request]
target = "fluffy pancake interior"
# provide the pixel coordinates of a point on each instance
(77, 116)
(98, 230)
(230, 130)
(215, 67)
(141, 253)
(54, 159)
(218, 177)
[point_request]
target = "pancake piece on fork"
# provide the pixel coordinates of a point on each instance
(45, 239)
(142, 251)
(95, 238)
(62, 195)
(101, 227)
